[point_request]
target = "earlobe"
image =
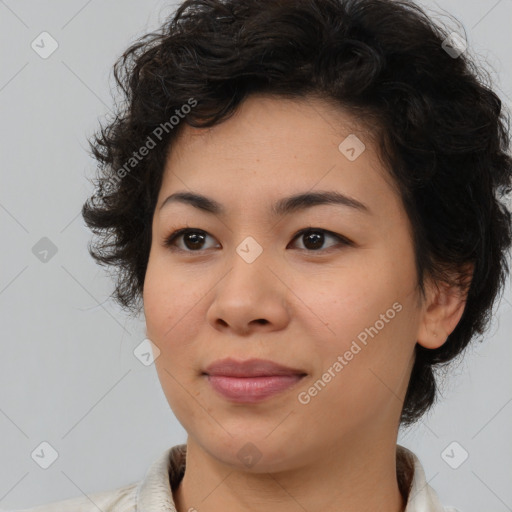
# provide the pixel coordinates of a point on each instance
(442, 311)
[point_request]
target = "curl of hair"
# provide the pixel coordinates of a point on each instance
(439, 128)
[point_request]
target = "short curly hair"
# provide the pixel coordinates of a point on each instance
(440, 129)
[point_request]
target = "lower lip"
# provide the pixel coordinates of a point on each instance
(252, 389)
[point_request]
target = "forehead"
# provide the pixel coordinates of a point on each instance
(273, 147)
(272, 119)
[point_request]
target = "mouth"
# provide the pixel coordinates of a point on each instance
(251, 381)
(250, 368)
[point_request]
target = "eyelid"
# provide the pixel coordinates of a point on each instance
(169, 240)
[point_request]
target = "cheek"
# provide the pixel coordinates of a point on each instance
(168, 300)
(371, 318)
(173, 306)
(169, 310)
(359, 382)
(350, 301)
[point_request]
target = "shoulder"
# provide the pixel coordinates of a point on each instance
(122, 499)
(420, 495)
(153, 492)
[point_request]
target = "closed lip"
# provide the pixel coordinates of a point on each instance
(230, 367)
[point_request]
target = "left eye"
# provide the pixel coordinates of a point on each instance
(194, 238)
(315, 238)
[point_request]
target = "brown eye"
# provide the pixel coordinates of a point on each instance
(193, 240)
(314, 238)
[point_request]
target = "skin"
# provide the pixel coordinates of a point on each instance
(294, 305)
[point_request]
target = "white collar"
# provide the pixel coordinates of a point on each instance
(422, 498)
(154, 492)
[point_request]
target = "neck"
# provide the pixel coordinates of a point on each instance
(355, 476)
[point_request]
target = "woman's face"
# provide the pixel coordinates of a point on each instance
(344, 313)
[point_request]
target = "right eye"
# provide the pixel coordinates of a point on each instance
(193, 238)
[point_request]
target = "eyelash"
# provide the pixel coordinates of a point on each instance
(169, 241)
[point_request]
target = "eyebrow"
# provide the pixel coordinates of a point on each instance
(284, 206)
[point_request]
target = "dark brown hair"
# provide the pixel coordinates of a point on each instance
(441, 132)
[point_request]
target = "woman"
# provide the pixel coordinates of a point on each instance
(305, 198)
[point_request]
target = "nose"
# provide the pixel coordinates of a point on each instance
(251, 296)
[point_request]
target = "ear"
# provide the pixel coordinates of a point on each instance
(443, 309)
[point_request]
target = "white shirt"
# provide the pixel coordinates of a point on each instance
(153, 493)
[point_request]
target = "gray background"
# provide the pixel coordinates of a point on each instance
(68, 375)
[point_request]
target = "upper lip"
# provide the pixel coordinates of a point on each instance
(250, 368)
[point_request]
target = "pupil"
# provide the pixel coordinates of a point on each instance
(317, 239)
(196, 239)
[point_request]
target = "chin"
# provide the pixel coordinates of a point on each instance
(251, 453)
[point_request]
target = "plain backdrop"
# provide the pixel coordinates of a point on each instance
(68, 374)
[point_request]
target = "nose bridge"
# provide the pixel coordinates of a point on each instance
(249, 294)
(253, 256)
(250, 260)
(251, 274)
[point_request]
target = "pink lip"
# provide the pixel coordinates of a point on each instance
(251, 389)
(252, 380)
